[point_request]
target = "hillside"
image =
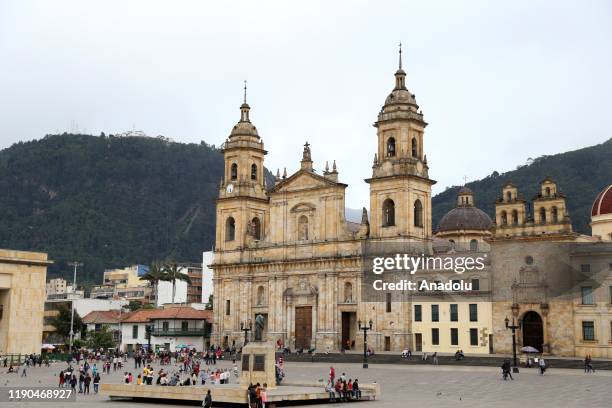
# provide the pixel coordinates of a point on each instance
(113, 201)
(108, 201)
(581, 175)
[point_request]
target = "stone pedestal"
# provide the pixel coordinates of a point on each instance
(257, 364)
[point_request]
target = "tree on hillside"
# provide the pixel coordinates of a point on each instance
(209, 305)
(173, 273)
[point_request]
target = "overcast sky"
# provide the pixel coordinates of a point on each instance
(497, 83)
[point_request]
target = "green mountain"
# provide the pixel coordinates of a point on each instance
(108, 201)
(580, 174)
(114, 201)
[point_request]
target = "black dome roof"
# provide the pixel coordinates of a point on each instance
(469, 218)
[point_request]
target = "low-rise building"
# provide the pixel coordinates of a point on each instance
(111, 319)
(171, 328)
(22, 297)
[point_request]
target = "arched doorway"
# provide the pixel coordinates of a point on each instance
(533, 331)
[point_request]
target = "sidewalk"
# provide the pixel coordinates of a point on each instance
(494, 360)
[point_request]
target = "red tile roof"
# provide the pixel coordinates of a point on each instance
(179, 313)
(102, 316)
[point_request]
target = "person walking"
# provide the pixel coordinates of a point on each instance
(87, 382)
(24, 372)
(435, 358)
(542, 365)
(506, 372)
(96, 382)
(588, 364)
(207, 403)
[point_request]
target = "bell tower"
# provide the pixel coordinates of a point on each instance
(242, 206)
(400, 187)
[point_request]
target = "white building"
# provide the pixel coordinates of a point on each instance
(171, 328)
(164, 292)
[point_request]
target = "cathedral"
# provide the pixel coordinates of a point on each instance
(287, 252)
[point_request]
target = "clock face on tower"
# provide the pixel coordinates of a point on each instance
(230, 188)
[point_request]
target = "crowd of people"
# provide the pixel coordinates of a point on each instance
(31, 360)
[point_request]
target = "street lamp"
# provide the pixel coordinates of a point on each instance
(513, 327)
(75, 264)
(365, 329)
(246, 327)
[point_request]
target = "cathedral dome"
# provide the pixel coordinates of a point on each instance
(244, 127)
(603, 203)
(465, 190)
(465, 218)
(400, 96)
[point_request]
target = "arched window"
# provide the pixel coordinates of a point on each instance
(260, 295)
(514, 217)
(418, 213)
(391, 147)
(414, 147)
(542, 215)
(303, 228)
(473, 245)
(253, 171)
(555, 215)
(509, 196)
(547, 191)
(230, 229)
(256, 226)
(348, 292)
(234, 171)
(504, 218)
(388, 213)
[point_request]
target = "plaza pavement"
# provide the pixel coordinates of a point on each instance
(401, 386)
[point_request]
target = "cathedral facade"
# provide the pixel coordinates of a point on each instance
(288, 253)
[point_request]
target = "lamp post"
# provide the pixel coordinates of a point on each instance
(75, 265)
(246, 327)
(365, 329)
(513, 327)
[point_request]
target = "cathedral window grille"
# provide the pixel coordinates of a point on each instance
(547, 191)
(230, 229)
(388, 213)
(414, 147)
(473, 245)
(253, 172)
(555, 215)
(514, 217)
(418, 213)
(303, 228)
(508, 196)
(260, 295)
(391, 147)
(234, 171)
(542, 215)
(504, 218)
(256, 226)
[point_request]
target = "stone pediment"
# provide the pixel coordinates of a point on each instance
(304, 180)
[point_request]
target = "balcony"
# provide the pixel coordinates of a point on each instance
(174, 332)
